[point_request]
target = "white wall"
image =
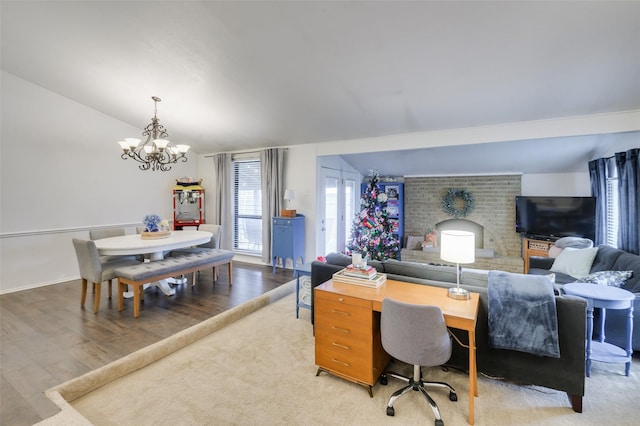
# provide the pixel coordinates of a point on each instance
(556, 184)
(61, 175)
(575, 184)
(596, 124)
(300, 175)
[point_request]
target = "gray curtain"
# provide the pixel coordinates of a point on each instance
(272, 164)
(628, 165)
(222, 196)
(598, 176)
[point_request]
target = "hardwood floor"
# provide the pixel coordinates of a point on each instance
(47, 339)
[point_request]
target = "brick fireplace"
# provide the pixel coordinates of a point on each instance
(493, 217)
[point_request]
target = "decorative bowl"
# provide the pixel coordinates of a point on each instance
(155, 235)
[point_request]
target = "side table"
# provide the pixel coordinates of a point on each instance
(605, 297)
(303, 287)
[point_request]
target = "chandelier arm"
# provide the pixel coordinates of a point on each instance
(136, 156)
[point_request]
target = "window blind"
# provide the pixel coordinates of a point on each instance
(612, 212)
(247, 205)
(612, 203)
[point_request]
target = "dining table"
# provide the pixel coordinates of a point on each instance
(155, 248)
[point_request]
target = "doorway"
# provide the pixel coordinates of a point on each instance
(336, 208)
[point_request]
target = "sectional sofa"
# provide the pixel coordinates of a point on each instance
(566, 373)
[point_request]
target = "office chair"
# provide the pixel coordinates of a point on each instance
(415, 334)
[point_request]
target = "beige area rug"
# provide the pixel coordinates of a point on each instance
(260, 369)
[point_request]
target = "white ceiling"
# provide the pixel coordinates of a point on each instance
(236, 75)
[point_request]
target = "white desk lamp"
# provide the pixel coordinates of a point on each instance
(458, 247)
(289, 195)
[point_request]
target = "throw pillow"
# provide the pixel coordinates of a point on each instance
(554, 251)
(612, 278)
(414, 243)
(574, 242)
(574, 262)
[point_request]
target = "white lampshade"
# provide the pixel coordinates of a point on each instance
(182, 149)
(289, 194)
(458, 246)
(161, 144)
(124, 145)
(132, 142)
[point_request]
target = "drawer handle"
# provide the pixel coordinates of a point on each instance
(344, 330)
(341, 346)
(346, 314)
(340, 299)
(346, 364)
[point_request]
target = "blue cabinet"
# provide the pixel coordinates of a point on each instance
(287, 240)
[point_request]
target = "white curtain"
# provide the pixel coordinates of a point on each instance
(222, 214)
(271, 163)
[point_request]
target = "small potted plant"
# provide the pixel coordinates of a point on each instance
(155, 227)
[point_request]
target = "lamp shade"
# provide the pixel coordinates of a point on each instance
(458, 246)
(289, 194)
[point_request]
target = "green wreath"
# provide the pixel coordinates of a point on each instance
(449, 202)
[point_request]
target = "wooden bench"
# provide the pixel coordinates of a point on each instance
(144, 273)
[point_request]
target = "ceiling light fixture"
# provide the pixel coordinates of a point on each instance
(156, 153)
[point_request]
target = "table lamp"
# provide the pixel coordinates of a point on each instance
(458, 247)
(289, 195)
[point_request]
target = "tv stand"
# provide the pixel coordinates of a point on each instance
(535, 247)
(551, 238)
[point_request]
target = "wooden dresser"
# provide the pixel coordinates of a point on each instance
(347, 332)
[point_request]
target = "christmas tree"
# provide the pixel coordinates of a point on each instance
(372, 231)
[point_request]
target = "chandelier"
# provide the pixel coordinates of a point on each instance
(156, 152)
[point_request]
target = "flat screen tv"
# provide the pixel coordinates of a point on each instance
(556, 217)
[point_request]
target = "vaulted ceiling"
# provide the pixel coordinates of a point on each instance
(236, 75)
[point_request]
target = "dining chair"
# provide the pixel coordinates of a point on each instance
(96, 271)
(98, 234)
(417, 335)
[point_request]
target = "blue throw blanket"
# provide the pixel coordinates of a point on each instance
(522, 314)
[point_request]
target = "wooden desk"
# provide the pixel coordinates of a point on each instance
(347, 328)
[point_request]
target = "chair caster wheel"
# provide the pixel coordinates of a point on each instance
(453, 396)
(391, 411)
(439, 423)
(383, 380)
